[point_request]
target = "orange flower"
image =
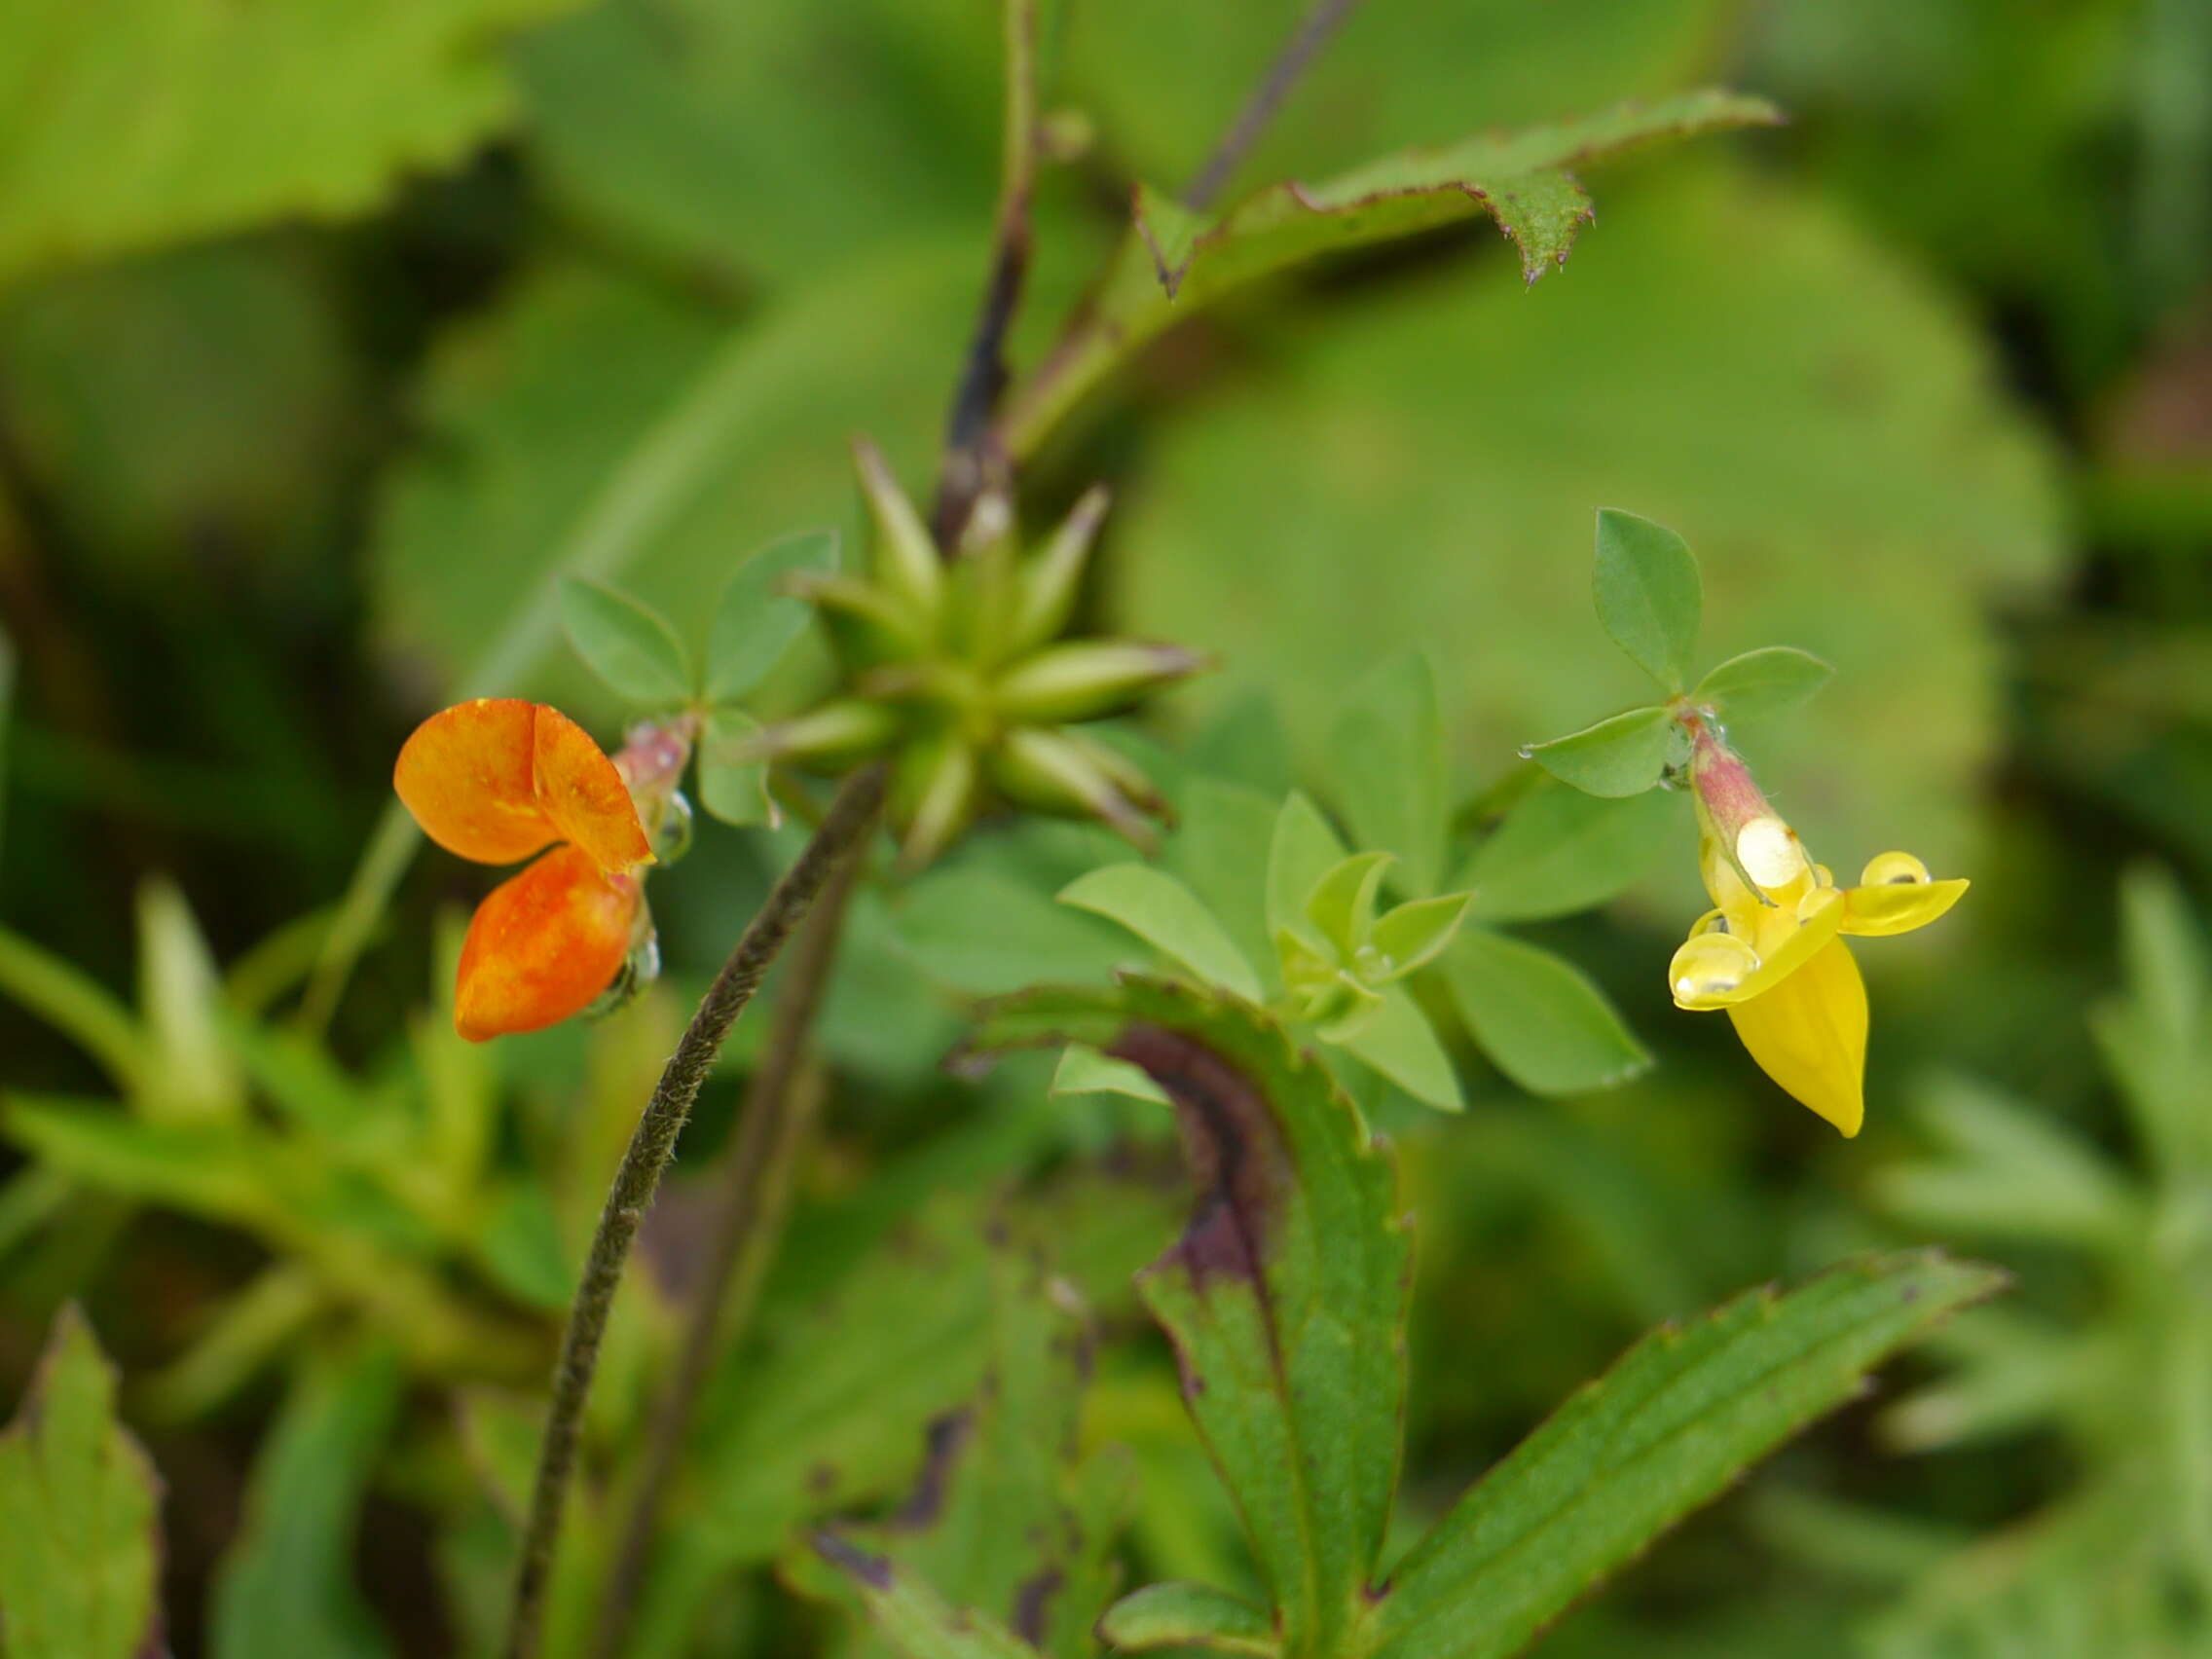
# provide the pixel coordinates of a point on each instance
(494, 781)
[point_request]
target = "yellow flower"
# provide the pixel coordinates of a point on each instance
(1771, 950)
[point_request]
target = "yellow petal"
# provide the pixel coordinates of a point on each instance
(1809, 1034)
(1785, 946)
(1899, 906)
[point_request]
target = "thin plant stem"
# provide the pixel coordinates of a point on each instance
(751, 1204)
(1314, 32)
(845, 828)
(972, 461)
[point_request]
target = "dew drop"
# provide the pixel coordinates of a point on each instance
(1894, 869)
(1711, 964)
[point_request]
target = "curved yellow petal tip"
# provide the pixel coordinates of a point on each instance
(1897, 907)
(1809, 1034)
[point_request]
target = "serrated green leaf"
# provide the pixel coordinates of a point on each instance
(1386, 763)
(1168, 916)
(1538, 1016)
(148, 134)
(1648, 596)
(1197, 1615)
(80, 1504)
(1396, 1039)
(1559, 849)
(754, 620)
(1285, 1298)
(1412, 935)
(734, 790)
(1084, 1070)
(1341, 905)
(1168, 268)
(1622, 756)
(1665, 1430)
(1302, 850)
(1756, 684)
(626, 644)
(287, 1583)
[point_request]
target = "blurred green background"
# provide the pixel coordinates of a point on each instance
(328, 333)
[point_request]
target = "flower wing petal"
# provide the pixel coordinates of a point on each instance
(1899, 906)
(581, 790)
(467, 774)
(542, 945)
(1778, 961)
(1809, 1034)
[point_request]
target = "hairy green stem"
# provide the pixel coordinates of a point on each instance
(747, 1229)
(844, 831)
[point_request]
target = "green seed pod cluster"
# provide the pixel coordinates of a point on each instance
(955, 668)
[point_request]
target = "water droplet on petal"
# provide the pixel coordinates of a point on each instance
(1894, 869)
(1711, 964)
(1822, 876)
(1711, 922)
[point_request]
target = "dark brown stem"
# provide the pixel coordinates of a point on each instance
(754, 1198)
(1313, 33)
(972, 462)
(851, 818)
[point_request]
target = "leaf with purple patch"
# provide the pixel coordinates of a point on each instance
(1285, 1297)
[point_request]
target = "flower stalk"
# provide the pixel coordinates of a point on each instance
(842, 833)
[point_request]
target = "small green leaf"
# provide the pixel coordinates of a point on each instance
(1767, 682)
(1398, 1041)
(1285, 1297)
(1535, 1014)
(755, 622)
(1222, 836)
(1559, 849)
(1623, 756)
(1168, 916)
(1084, 1070)
(194, 1077)
(734, 790)
(1342, 904)
(626, 644)
(1194, 1615)
(1414, 934)
(287, 1586)
(79, 1514)
(1302, 851)
(1387, 758)
(1666, 1429)
(1647, 593)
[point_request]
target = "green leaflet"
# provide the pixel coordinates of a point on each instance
(1559, 849)
(755, 622)
(1662, 1433)
(1170, 266)
(628, 645)
(1285, 1297)
(1539, 1017)
(1387, 758)
(1620, 756)
(1168, 916)
(1197, 1615)
(1648, 598)
(79, 1514)
(337, 105)
(1767, 682)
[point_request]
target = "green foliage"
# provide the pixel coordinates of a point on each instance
(1662, 1433)
(1647, 595)
(627, 644)
(80, 1538)
(1622, 754)
(288, 1584)
(1168, 916)
(1284, 1296)
(150, 134)
(756, 620)
(1561, 850)
(1770, 681)
(1538, 1016)
(1387, 759)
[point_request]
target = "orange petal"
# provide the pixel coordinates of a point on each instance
(468, 776)
(542, 945)
(583, 793)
